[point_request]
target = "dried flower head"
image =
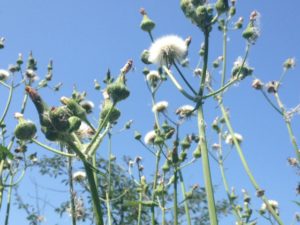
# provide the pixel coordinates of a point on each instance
(160, 106)
(85, 131)
(290, 63)
(272, 86)
(167, 49)
(241, 69)
(257, 84)
(149, 137)
(293, 162)
(88, 106)
(185, 111)
(4, 74)
(274, 204)
(252, 31)
(229, 138)
(216, 146)
(79, 176)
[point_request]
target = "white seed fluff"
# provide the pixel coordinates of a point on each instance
(274, 204)
(160, 106)
(4, 74)
(167, 49)
(185, 111)
(79, 176)
(149, 137)
(229, 138)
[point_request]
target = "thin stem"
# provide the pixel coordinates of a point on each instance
(225, 182)
(7, 104)
(186, 206)
(245, 164)
(222, 89)
(8, 205)
(108, 192)
(270, 102)
(288, 125)
(184, 79)
(71, 189)
(151, 36)
(140, 209)
(52, 149)
(158, 155)
(175, 200)
(203, 143)
(177, 85)
(90, 147)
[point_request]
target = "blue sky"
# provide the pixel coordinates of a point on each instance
(84, 39)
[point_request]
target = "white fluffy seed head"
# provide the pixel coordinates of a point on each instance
(185, 111)
(149, 137)
(4, 74)
(229, 138)
(167, 49)
(160, 106)
(274, 204)
(153, 76)
(79, 176)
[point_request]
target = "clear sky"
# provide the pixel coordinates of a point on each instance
(85, 38)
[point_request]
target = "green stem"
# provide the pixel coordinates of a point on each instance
(91, 180)
(140, 209)
(186, 206)
(71, 190)
(175, 200)
(288, 125)
(108, 192)
(8, 201)
(203, 142)
(177, 85)
(245, 164)
(52, 149)
(184, 79)
(270, 102)
(225, 182)
(91, 147)
(158, 155)
(7, 104)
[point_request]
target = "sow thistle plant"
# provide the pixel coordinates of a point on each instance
(101, 190)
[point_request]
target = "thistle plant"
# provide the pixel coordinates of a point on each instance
(102, 190)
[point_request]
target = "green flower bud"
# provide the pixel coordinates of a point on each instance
(75, 123)
(197, 153)
(222, 6)
(146, 71)
(166, 166)
(51, 135)
(182, 156)
(189, 195)
(137, 135)
(114, 114)
(59, 118)
(117, 91)
(160, 189)
(20, 59)
(158, 140)
(232, 11)
(25, 130)
(147, 24)
(185, 143)
(145, 57)
(251, 33)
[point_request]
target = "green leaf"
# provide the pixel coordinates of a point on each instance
(4, 152)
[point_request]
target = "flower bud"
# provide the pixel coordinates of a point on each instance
(4, 74)
(25, 130)
(166, 166)
(257, 84)
(222, 6)
(114, 112)
(2, 40)
(290, 63)
(145, 57)
(272, 86)
(158, 140)
(75, 123)
(96, 85)
(147, 24)
(20, 59)
(185, 143)
(117, 91)
(137, 135)
(232, 11)
(182, 156)
(59, 118)
(197, 152)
